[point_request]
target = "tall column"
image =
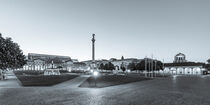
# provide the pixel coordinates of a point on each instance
(93, 48)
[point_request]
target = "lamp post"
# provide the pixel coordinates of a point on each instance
(152, 67)
(155, 67)
(149, 68)
(95, 74)
(163, 68)
(146, 67)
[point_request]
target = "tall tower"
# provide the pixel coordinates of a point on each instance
(93, 48)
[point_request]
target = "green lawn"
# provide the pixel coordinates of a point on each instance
(111, 80)
(36, 78)
(29, 72)
(42, 80)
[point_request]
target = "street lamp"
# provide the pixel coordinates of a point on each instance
(146, 66)
(155, 67)
(95, 74)
(91, 71)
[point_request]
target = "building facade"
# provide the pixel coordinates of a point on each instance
(44, 61)
(181, 66)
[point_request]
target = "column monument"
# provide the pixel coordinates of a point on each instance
(93, 48)
(93, 65)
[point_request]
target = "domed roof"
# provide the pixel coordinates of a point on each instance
(179, 58)
(180, 55)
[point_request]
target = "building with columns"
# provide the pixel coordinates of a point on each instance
(180, 58)
(44, 61)
(181, 66)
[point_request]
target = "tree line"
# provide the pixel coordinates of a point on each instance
(140, 66)
(107, 66)
(148, 65)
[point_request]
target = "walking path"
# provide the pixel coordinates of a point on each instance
(9, 84)
(10, 75)
(73, 83)
(10, 81)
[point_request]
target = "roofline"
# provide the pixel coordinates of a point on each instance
(47, 55)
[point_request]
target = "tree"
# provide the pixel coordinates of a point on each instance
(207, 66)
(111, 66)
(208, 61)
(132, 66)
(140, 66)
(159, 65)
(11, 56)
(122, 67)
(122, 58)
(101, 66)
(106, 66)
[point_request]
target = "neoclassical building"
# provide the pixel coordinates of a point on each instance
(44, 61)
(181, 66)
(180, 58)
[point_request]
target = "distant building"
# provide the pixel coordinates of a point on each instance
(181, 66)
(180, 58)
(112, 59)
(32, 56)
(74, 60)
(207, 67)
(44, 61)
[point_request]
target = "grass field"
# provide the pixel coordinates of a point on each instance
(110, 80)
(36, 78)
(29, 72)
(42, 80)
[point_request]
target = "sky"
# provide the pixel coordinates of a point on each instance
(129, 28)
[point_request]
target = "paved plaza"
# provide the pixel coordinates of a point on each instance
(177, 90)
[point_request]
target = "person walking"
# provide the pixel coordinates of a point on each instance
(3, 74)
